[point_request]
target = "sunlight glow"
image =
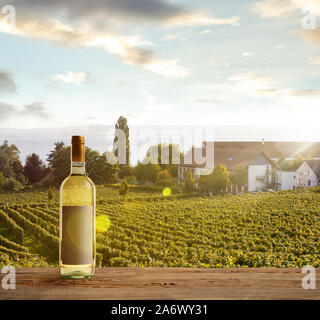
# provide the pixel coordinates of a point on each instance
(102, 223)
(166, 192)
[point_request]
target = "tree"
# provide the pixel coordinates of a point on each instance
(11, 184)
(10, 163)
(309, 157)
(57, 147)
(50, 193)
(172, 169)
(169, 153)
(60, 164)
(189, 182)
(205, 182)
(98, 167)
(297, 162)
(19, 172)
(34, 168)
(281, 160)
(164, 175)
(163, 152)
(124, 189)
(164, 178)
(126, 171)
(215, 182)
(239, 176)
(147, 172)
(122, 124)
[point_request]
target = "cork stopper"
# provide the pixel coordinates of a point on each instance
(77, 149)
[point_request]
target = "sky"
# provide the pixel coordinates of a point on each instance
(160, 62)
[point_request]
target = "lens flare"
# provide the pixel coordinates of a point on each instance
(102, 223)
(166, 192)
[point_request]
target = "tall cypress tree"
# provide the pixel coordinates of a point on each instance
(122, 124)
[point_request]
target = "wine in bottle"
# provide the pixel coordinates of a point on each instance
(77, 218)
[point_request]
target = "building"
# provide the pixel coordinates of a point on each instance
(264, 173)
(286, 180)
(308, 173)
(260, 173)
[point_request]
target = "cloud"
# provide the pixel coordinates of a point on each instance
(7, 84)
(202, 19)
(292, 96)
(312, 36)
(247, 54)
(206, 31)
(105, 13)
(127, 48)
(250, 83)
(168, 68)
(6, 111)
(152, 103)
(72, 77)
(172, 36)
(273, 8)
(255, 85)
(315, 60)
(308, 9)
(280, 8)
(84, 24)
(35, 110)
(307, 93)
(207, 101)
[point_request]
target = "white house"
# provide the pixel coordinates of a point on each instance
(308, 173)
(260, 173)
(264, 173)
(286, 180)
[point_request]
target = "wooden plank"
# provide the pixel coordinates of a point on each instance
(163, 283)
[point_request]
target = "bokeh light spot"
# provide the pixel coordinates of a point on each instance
(166, 192)
(102, 223)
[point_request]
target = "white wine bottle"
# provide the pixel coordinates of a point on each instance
(77, 254)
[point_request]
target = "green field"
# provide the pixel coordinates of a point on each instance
(147, 229)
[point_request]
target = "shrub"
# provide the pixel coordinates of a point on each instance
(11, 184)
(147, 172)
(215, 182)
(189, 183)
(132, 180)
(164, 175)
(164, 183)
(2, 179)
(164, 179)
(50, 193)
(125, 171)
(124, 189)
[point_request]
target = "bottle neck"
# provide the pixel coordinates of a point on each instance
(78, 168)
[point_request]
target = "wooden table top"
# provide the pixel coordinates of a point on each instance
(162, 283)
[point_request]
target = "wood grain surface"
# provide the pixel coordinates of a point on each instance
(163, 283)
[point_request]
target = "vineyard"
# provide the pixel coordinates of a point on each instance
(148, 229)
